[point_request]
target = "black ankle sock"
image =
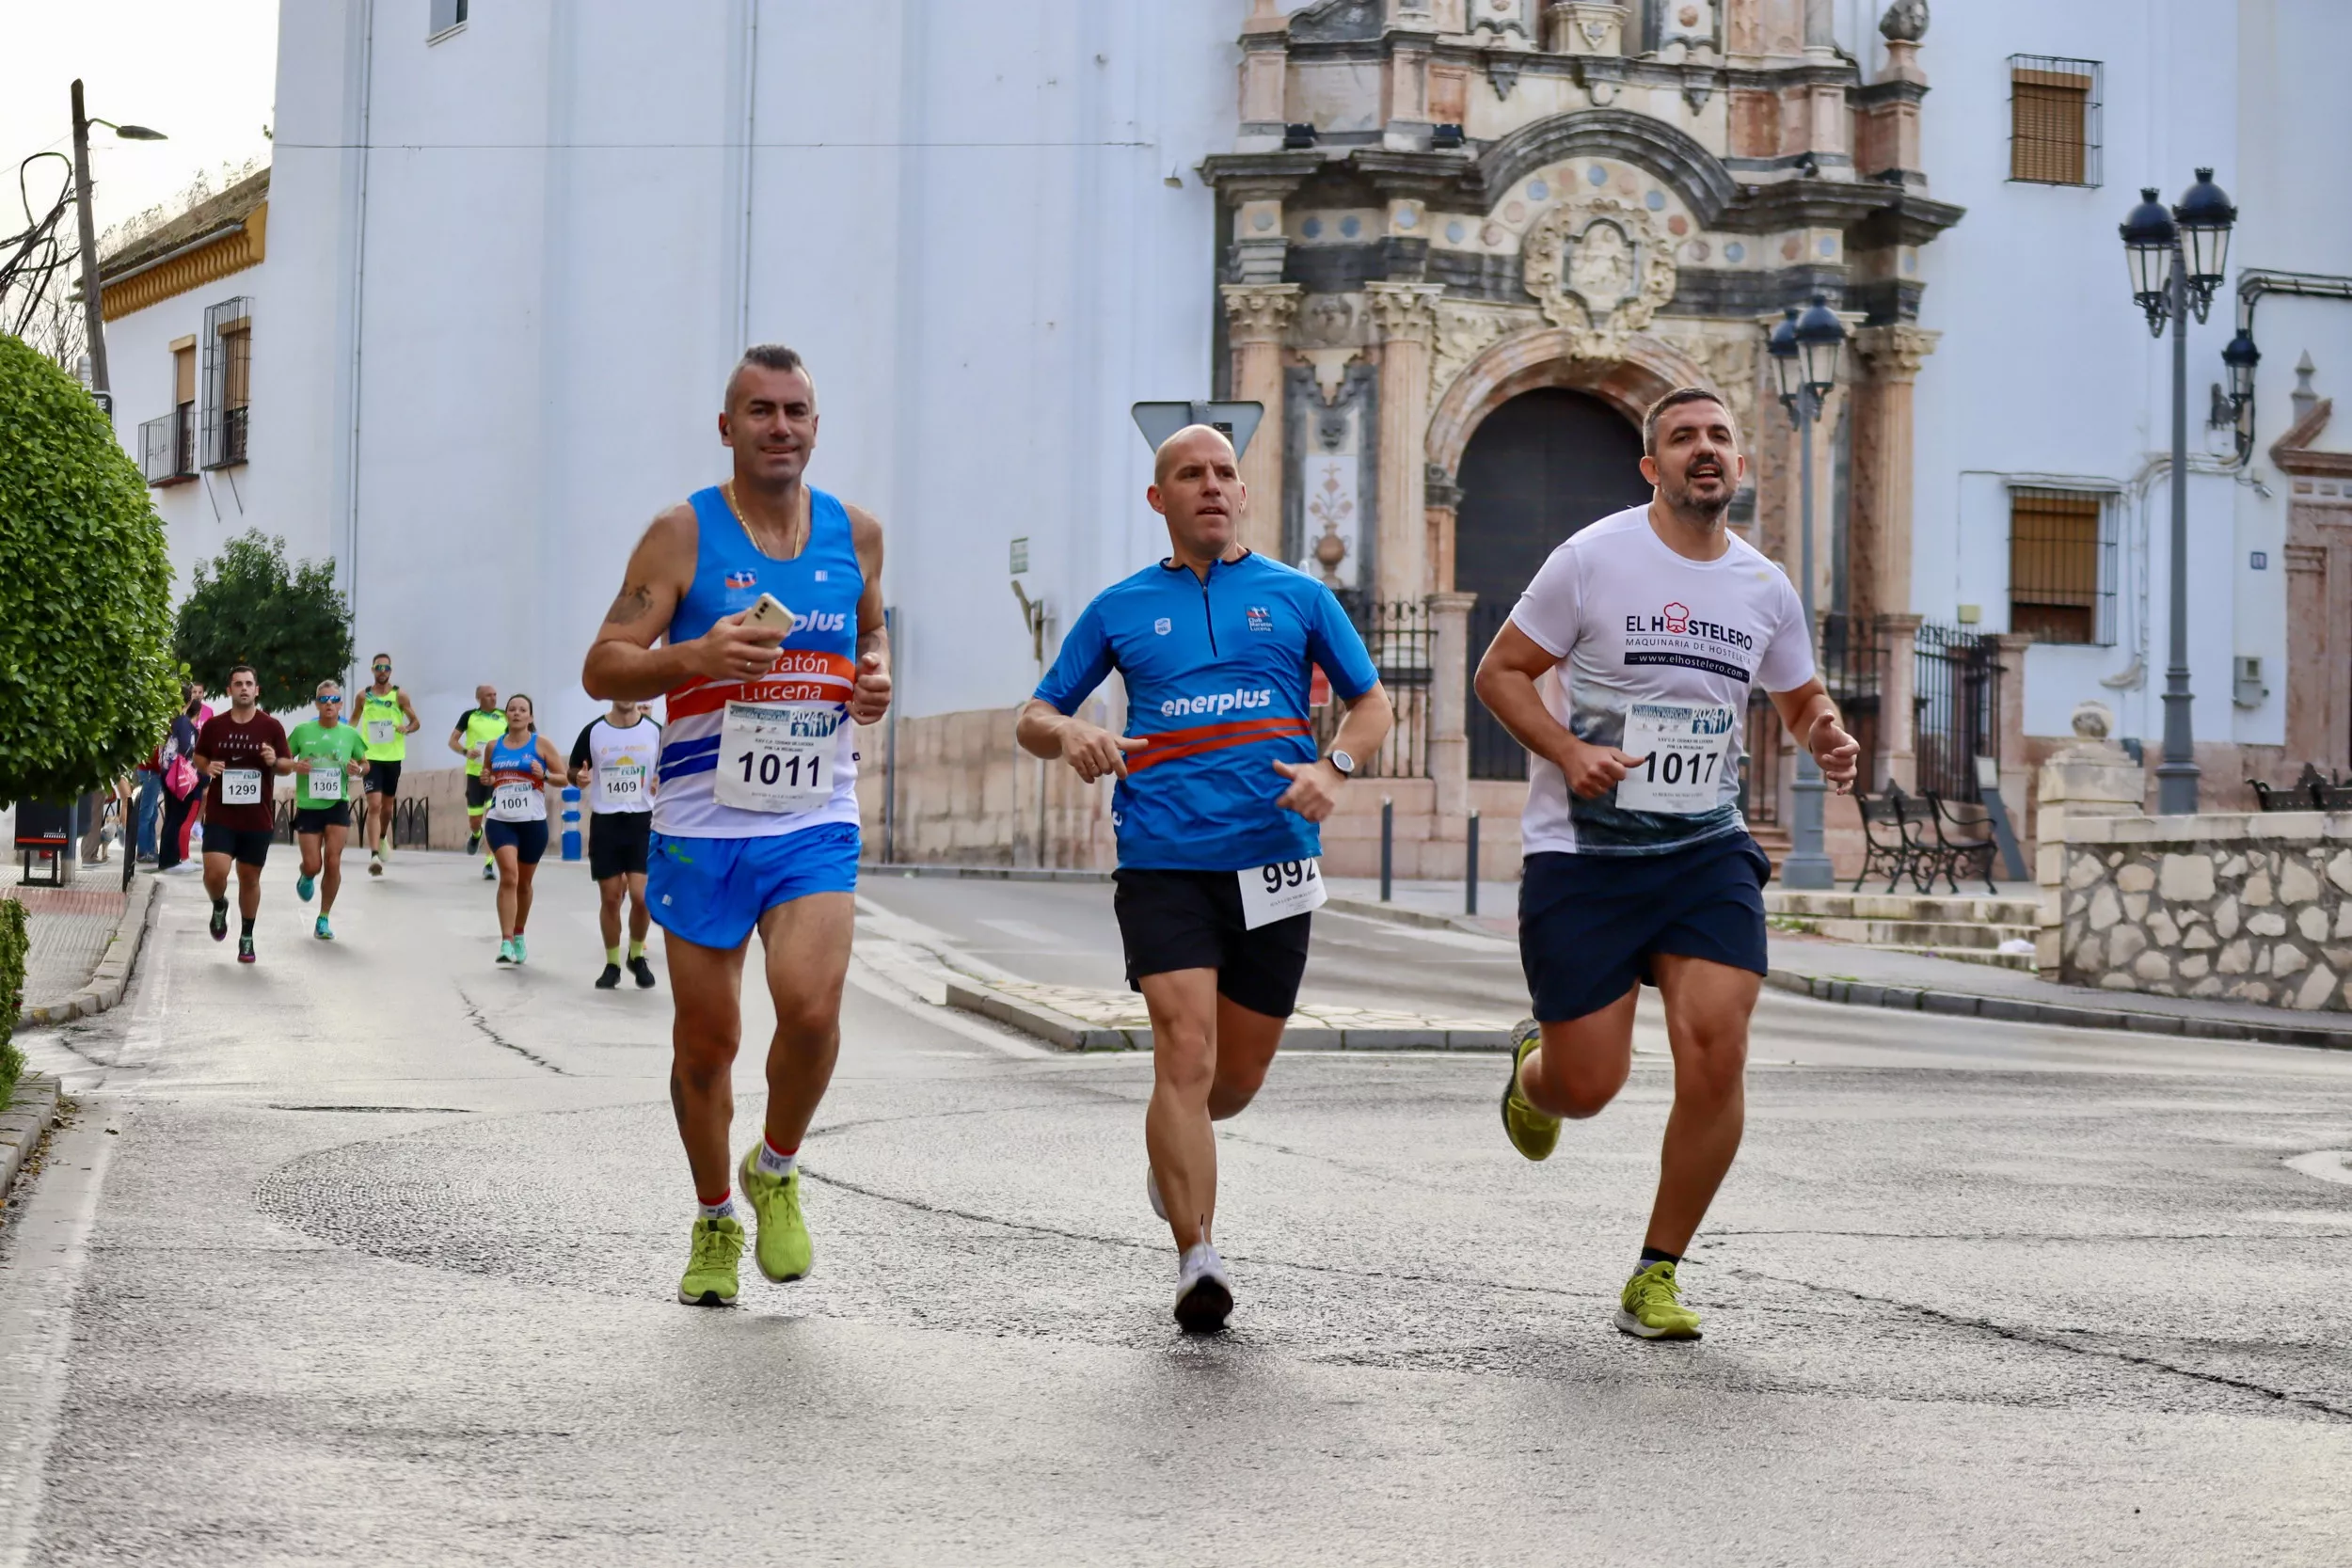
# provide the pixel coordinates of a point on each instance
(248, 925)
(1658, 1255)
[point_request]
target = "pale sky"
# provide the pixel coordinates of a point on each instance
(202, 71)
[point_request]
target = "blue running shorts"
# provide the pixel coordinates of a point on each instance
(712, 890)
(1589, 923)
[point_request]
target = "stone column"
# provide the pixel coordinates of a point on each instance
(1443, 500)
(1898, 761)
(1264, 67)
(1257, 316)
(2014, 773)
(2095, 777)
(1449, 700)
(1406, 316)
(1878, 529)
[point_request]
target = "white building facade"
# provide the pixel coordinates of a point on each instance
(512, 246)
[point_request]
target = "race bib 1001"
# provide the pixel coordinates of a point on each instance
(1683, 748)
(1278, 892)
(327, 780)
(777, 757)
(519, 800)
(621, 787)
(241, 786)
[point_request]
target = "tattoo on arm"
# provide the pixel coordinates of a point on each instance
(634, 603)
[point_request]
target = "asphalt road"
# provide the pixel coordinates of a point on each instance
(364, 1255)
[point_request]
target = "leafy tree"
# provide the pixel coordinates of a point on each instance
(248, 607)
(86, 681)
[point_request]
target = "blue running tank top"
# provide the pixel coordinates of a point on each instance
(814, 672)
(514, 764)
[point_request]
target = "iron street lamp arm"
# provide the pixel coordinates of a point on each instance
(2242, 355)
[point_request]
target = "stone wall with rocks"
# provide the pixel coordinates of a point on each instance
(2251, 906)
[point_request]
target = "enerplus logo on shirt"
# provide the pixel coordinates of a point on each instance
(1221, 702)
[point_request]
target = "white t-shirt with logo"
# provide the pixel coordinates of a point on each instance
(1665, 648)
(624, 760)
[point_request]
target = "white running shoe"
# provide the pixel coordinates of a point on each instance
(1204, 1292)
(1152, 1191)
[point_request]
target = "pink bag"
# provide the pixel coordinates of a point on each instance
(179, 778)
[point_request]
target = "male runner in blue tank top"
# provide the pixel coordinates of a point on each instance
(1218, 795)
(754, 824)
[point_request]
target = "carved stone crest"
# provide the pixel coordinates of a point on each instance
(1464, 331)
(1601, 269)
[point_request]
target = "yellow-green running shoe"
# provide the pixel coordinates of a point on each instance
(784, 1251)
(1651, 1308)
(1534, 1134)
(711, 1272)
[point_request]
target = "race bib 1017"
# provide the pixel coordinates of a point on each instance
(1683, 748)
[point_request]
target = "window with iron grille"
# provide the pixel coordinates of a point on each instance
(2053, 121)
(2061, 565)
(446, 16)
(228, 344)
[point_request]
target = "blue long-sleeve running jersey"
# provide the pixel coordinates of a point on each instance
(1217, 675)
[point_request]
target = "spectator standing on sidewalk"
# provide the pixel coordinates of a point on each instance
(182, 788)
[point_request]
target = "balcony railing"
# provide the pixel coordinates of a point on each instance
(167, 446)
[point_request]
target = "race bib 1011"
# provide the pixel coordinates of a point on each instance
(1278, 892)
(1683, 748)
(777, 757)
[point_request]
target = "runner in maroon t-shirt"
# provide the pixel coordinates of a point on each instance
(239, 754)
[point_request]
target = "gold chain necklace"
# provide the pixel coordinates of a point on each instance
(797, 543)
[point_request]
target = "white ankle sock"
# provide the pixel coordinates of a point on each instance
(722, 1210)
(774, 1163)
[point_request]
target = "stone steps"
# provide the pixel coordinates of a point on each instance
(1920, 935)
(1966, 955)
(1902, 907)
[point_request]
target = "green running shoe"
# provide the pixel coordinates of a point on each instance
(321, 932)
(302, 887)
(785, 1252)
(1534, 1134)
(519, 947)
(1651, 1308)
(709, 1279)
(506, 950)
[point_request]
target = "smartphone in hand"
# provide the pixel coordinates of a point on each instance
(770, 614)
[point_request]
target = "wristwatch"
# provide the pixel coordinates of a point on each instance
(1340, 760)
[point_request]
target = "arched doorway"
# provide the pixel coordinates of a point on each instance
(1537, 469)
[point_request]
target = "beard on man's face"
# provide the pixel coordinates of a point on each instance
(1709, 502)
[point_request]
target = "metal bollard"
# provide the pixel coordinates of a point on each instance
(1387, 844)
(571, 822)
(1469, 876)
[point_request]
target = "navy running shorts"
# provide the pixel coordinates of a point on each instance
(1590, 923)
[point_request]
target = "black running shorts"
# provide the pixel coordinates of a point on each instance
(1589, 925)
(1171, 920)
(248, 845)
(477, 794)
(384, 779)
(317, 819)
(617, 843)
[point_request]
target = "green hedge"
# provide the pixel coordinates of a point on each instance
(88, 683)
(14, 941)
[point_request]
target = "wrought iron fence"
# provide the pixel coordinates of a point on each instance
(1957, 700)
(412, 823)
(1403, 645)
(1493, 753)
(1854, 668)
(1759, 762)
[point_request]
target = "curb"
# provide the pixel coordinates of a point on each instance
(2013, 1010)
(980, 873)
(107, 982)
(1369, 909)
(1059, 1028)
(28, 1115)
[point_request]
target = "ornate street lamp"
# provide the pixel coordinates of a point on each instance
(1804, 351)
(2176, 260)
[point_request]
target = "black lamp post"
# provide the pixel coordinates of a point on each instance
(1804, 350)
(2177, 259)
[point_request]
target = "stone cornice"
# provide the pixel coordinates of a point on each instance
(204, 260)
(1877, 213)
(1879, 93)
(1260, 312)
(1237, 176)
(2293, 451)
(1428, 176)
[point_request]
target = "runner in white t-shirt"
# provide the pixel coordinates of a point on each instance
(1653, 624)
(614, 761)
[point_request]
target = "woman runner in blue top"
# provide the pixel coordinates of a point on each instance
(517, 768)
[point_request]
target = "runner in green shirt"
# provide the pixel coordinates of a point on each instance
(329, 762)
(476, 728)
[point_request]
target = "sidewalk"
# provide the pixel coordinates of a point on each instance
(74, 930)
(1913, 982)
